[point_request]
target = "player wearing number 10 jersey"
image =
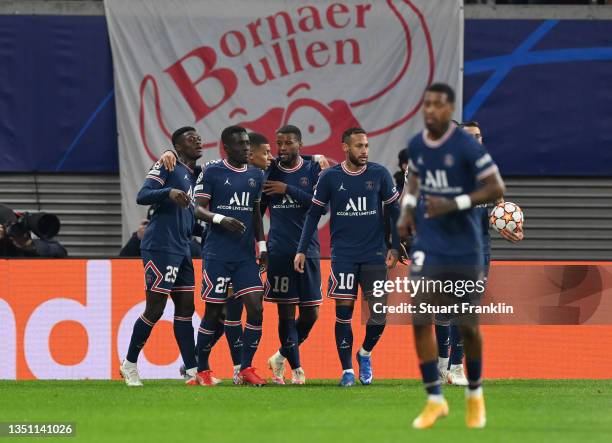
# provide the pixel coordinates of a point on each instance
(356, 191)
(166, 253)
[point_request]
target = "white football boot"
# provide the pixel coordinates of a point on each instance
(129, 372)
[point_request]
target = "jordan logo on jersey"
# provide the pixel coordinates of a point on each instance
(227, 182)
(341, 188)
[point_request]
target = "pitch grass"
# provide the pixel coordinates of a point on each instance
(165, 410)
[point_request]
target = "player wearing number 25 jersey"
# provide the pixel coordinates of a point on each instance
(166, 254)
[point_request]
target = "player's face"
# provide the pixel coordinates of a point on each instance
(437, 111)
(474, 132)
(357, 149)
(191, 145)
(288, 148)
(260, 156)
(239, 147)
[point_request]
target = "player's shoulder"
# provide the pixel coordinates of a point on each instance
(255, 171)
(212, 164)
(311, 166)
(332, 171)
(376, 167)
(157, 169)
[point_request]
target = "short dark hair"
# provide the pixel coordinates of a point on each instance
(346, 135)
(470, 124)
(258, 139)
(229, 131)
(402, 157)
(176, 135)
(442, 88)
(290, 129)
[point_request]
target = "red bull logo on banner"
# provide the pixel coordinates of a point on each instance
(323, 66)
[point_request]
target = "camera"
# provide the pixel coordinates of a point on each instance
(43, 224)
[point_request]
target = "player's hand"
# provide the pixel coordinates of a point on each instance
(263, 261)
(1, 232)
(392, 257)
(141, 229)
(322, 161)
(274, 187)
(298, 262)
(168, 159)
(437, 206)
(233, 225)
(180, 198)
(513, 237)
(405, 225)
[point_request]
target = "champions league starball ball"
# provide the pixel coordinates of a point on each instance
(507, 215)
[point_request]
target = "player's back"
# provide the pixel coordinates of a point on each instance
(287, 214)
(355, 202)
(232, 192)
(171, 226)
(452, 166)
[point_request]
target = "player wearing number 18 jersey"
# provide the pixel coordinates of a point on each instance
(355, 191)
(166, 253)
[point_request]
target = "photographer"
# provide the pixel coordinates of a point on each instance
(16, 238)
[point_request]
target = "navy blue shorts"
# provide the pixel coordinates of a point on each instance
(165, 273)
(346, 277)
(244, 277)
(285, 285)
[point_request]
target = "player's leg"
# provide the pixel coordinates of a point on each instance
(455, 375)
(343, 289)
(281, 289)
(368, 274)
(442, 328)
(247, 283)
(215, 278)
(184, 307)
(423, 267)
(308, 317)
(158, 287)
(233, 330)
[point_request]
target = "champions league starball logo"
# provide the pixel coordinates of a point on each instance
(323, 67)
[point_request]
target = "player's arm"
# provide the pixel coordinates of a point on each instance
(317, 209)
(389, 198)
(202, 195)
(258, 229)
(408, 200)
(485, 170)
(154, 190)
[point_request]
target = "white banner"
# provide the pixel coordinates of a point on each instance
(321, 65)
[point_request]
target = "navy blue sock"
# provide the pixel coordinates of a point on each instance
(303, 329)
(442, 337)
(474, 373)
(373, 334)
(219, 330)
(429, 372)
(456, 344)
(206, 337)
(183, 333)
(288, 334)
(140, 334)
(344, 336)
(233, 328)
(251, 337)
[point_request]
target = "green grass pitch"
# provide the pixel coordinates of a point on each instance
(165, 410)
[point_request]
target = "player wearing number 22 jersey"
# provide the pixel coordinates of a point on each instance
(228, 195)
(355, 191)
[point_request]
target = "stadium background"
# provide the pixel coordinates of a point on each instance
(59, 133)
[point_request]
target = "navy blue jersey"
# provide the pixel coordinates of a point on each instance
(483, 212)
(355, 201)
(453, 165)
(288, 211)
(233, 193)
(171, 226)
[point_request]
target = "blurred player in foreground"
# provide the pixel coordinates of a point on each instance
(166, 254)
(447, 333)
(288, 195)
(453, 173)
(356, 191)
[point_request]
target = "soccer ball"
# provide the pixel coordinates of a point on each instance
(507, 215)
